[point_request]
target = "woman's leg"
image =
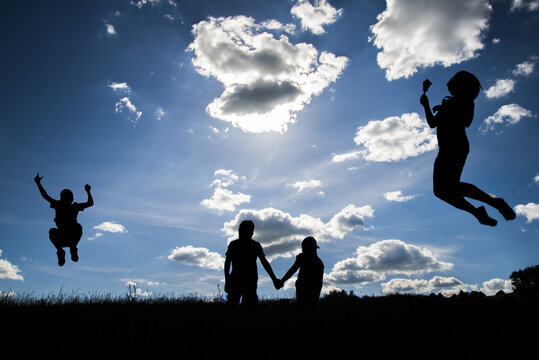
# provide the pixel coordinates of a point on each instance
(473, 192)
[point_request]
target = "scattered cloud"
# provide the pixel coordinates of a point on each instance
(276, 25)
(281, 233)
(530, 5)
(126, 104)
(159, 113)
(421, 286)
(392, 139)
(496, 41)
(110, 29)
(120, 87)
(138, 291)
(201, 257)
(9, 271)
(536, 179)
(222, 198)
(111, 226)
(387, 257)
(492, 286)
(409, 39)
(526, 68)
(398, 196)
(313, 18)
(506, 115)
(266, 79)
(501, 88)
(303, 185)
(169, 17)
(141, 3)
(96, 236)
(530, 211)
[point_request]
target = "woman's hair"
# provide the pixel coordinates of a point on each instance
(464, 84)
(66, 195)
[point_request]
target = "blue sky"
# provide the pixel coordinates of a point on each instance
(187, 117)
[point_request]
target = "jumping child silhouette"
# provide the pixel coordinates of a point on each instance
(68, 232)
(452, 118)
(311, 273)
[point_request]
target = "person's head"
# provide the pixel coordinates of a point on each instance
(464, 84)
(66, 196)
(309, 245)
(246, 229)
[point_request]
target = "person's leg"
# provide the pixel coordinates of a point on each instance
(473, 192)
(55, 237)
(249, 296)
(75, 238)
(233, 298)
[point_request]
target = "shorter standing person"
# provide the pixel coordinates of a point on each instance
(68, 231)
(242, 281)
(311, 273)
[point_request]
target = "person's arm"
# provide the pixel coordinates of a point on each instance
(431, 119)
(42, 191)
(269, 270)
(291, 271)
(90, 201)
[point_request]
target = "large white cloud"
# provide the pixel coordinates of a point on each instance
(530, 211)
(222, 198)
(392, 139)
(501, 88)
(281, 233)
(422, 286)
(200, 256)
(492, 286)
(506, 115)
(9, 271)
(387, 257)
(423, 33)
(266, 79)
(313, 18)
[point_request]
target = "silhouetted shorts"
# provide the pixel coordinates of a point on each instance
(66, 236)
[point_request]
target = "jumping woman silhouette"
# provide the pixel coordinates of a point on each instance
(452, 118)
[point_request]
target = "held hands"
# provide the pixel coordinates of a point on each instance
(278, 283)
(38, 178)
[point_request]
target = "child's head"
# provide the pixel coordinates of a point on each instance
(464, 84)
(309, 245)
(246, 229)
(66, 196)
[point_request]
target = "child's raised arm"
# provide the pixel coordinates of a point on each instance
(42, 191)
(431, 119)
(291, 271)
(90, 201)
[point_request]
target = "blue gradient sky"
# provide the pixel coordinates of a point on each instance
(73, 73)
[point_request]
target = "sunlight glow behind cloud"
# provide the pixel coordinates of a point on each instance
(266, 79)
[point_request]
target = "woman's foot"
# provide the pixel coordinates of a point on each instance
(61, 257)
(482, 216)
(74, 254)
(504, 209)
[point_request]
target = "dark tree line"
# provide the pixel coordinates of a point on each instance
(526, 282)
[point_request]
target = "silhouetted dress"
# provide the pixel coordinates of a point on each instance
(310, 278)
(452, 119)
(243, 280)
(69, 230)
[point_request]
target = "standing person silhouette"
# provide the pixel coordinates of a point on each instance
(311, 273)
(68, 231)
(242, 254)
(452, 118)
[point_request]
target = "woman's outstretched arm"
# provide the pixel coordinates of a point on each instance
(431, 119)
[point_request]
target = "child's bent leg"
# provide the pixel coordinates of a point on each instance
(76, 236)
(55, 237)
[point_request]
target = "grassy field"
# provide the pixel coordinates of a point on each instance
(395, 326)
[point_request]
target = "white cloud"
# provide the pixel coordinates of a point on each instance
(313, 18)
(536, 179)
(303, 185)
(422, 286)
(159, 113)
(423, 33)
(281, 233)
(201, 257)
(111, 226)
(501, 88)
(125, 103)
(530, 211)
(222, 198)
(398, 196)
(507, 114)
(141, 3)
(496, 41)
(276, 25)
(169, 17)
(110, 29)
(392, 139)
(492, 286)
(525, 68)
(386, 257)
(120, 87)
(9, 271)
(96, 236)
(530, 5)
(266, 79)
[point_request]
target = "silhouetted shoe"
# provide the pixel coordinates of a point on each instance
(61, 257)
(74, 254)
(483, 217)
(504, 209)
